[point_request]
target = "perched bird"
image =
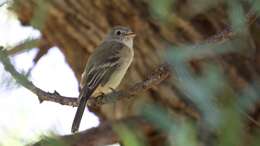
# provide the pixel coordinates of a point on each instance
(105, 67)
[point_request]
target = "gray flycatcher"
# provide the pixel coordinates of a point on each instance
(105, 67)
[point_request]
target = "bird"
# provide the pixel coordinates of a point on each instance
(105, 68)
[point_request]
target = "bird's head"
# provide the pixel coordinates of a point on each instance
(122, 34)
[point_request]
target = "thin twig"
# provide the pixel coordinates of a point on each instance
(26, 45)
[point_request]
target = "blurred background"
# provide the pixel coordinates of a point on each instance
(23, 119)
(211, 48)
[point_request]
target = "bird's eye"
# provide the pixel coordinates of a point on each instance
(118, 33)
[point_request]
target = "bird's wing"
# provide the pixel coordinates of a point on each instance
(106, 61)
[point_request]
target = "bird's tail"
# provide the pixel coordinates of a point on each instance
(86, 93)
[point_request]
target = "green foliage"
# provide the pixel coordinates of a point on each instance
(256, 6)
(51, 140)
(231, 127)
(41, 10)
(223, 109)
(237, 16)
(159, 117)
(40, 14)
(161, 9)
(256, 138)
(128, 136)
(178, 130)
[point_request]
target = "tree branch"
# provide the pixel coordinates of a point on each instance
(23, 46)
(160, 74)
(104, 134)
(157, 76)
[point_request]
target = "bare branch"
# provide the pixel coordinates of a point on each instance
(160, 74)
(21, 79)
(104, 134)
(26, 45)
(157, 76)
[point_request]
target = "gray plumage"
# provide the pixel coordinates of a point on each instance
(105, 68)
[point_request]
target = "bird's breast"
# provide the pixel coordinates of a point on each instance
(119, 73)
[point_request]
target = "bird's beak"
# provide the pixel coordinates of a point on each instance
(131, 34)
